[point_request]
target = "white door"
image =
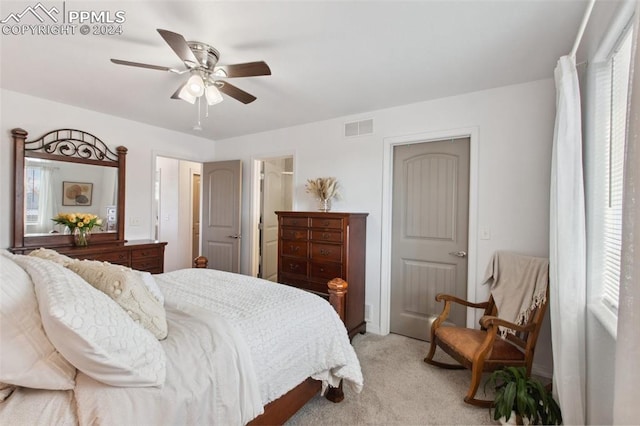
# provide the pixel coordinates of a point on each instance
(272, 200)
(429, 233)
(221, 202)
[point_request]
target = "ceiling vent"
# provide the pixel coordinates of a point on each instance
(358, 128)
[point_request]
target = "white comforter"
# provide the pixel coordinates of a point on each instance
(291, 334)
(235, 343)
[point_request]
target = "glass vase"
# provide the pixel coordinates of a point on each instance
(325, 204)
(81, 237)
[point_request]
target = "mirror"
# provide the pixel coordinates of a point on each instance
(53, 187)
(66, 171)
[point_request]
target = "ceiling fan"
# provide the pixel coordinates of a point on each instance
(201, 61)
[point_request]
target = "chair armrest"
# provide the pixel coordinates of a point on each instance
(489, 321)
(448, 297)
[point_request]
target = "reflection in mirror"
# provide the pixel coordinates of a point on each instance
(53, 187)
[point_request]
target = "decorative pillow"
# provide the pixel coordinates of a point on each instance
(52, 255)
(27, 356)
(127, 288)
(152, 286)
(92, 331)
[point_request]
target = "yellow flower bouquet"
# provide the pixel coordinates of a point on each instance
(80, 225)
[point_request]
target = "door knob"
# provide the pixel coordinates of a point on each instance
(458, 253)
(237, 236)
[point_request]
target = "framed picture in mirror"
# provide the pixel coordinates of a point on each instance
(77, 193)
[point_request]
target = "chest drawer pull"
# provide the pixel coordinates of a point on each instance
(325, 252)
(294, 266)
(294, 249)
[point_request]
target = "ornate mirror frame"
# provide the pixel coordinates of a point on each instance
(72, 146)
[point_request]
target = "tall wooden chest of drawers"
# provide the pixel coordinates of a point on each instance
(315, 247)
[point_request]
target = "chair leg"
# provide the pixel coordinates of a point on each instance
(429, 358)
(476, 377)
(432, 351)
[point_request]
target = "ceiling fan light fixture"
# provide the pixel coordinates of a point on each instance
(195, 86)
(213, 95)
(185, 95)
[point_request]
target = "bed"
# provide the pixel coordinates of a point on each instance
(232, 345)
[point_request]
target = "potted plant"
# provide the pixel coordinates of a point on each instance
(522, 396)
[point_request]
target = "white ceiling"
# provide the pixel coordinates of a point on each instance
(328, 58)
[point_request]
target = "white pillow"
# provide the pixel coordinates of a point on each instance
(152, 285)
(127, 288)
(27, 357)
(53, 255)
(92, 331)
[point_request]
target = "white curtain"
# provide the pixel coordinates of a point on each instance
(567, 251)
(47, 202)
(626, 409)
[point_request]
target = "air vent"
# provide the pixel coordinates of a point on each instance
(358, 128)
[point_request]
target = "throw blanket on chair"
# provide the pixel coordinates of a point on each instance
(518, 285)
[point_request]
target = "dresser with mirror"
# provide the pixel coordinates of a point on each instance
(73, 171)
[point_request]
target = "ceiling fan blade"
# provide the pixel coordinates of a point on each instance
(249, 69)
(236, 93)
(179, 45)
(175, 94)
(138, 64)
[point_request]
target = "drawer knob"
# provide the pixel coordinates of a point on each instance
(294, 248)
(325, 252)
(321, 269)
(326, 235)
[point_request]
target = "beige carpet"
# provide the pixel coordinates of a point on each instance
(399, 389)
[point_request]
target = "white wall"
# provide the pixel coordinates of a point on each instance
(515, 128)
(168, 212)
(38, 116)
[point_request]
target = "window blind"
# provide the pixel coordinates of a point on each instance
(613, 79)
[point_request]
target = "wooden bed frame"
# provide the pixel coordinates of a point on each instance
(279, 411)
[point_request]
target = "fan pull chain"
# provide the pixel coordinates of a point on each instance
(198, 126)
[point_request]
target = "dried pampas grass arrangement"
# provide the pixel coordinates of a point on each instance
(325, 188)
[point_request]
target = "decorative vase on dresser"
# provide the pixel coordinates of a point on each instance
(315, 247)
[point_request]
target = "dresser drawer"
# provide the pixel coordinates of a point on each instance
(145, 252)
(291, 265)
(333, 236)
(294, 248)
(294, 234)
(149, 264)
(118, 257)
(326, 252)
(295, 221)
(316, 287)
(325, 271)
(322, 222)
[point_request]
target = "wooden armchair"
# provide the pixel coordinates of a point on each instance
(484, 350)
